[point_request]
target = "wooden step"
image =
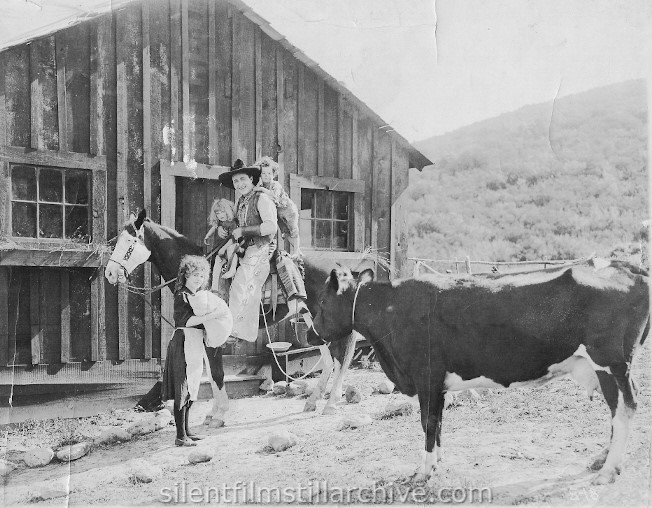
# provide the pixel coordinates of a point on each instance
(237, 386)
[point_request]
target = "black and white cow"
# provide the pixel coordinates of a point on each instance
(435, 334)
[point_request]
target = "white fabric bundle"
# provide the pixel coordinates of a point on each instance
(218, 329)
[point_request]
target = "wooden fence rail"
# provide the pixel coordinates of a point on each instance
(467, 264)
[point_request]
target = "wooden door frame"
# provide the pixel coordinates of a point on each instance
(169, 171)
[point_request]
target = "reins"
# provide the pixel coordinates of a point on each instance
(269, 340)
(145, 291)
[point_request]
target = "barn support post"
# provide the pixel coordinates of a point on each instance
(147, 169)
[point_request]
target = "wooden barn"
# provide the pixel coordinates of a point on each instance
(144, 107)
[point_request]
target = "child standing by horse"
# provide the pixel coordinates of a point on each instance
(185, 355)
(223, 215)
(285, 208)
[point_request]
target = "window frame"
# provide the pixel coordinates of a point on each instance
(28, 251)
(356, 215)
(62, 204)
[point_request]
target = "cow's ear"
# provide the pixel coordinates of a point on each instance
(366, 276)
(140, 219)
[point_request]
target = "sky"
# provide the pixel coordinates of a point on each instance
(431, 66)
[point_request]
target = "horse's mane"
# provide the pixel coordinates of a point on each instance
(154, 226)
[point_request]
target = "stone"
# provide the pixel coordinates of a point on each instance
(37, 457)
(281, 440)
(352, 395)
(266, 385)
(142, 427)
(200, 455)
(398, 408)
(6, 467)
(73, 452)
(296, 388)
(280, 388)
(53, 490)
(113, 435)
(141, 471)
(355, 421)
(385, 387)
(162, 421)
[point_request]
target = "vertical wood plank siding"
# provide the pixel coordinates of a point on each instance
(147, 170)
(44, 129)
(17, 96)
(172, 80)
(4, 315)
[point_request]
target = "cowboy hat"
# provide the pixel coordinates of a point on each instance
(238, 167)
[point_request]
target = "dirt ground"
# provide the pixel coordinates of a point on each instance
(526, 446)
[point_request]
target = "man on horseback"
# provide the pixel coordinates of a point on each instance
(257, 225)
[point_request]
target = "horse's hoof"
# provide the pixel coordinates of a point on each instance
(605, 477)
(420, 478)
(310, 406)
(598, 461)
(184, 442)
(329, 410)
(216, 423)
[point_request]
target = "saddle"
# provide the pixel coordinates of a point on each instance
(284, 283)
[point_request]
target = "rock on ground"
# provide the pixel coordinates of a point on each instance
(113, 435)
(280, 387)
(281, 440)
(296, 388)
(37, 457)
(142, 427)
(385, 386)
(352, 395)
(73, 452)
(266, 385)
(6, 467)
(355, 421)
(398, 408)
(142, 471)
(162, 421)
(52, 490)
(201, 455)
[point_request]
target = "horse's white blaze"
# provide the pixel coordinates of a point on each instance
(129, 253)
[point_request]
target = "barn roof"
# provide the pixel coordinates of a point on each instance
(70, 14)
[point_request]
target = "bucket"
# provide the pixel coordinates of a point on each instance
(299, 334)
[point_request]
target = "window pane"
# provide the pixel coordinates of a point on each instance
(76, 187)
(77, 222)
(23, 219)
(50, 185)
(322, 234)
(324, 205)
(341, 205)
(51, 221)
(340, 235)
(307, 199)
(23, 183)
(305, 232)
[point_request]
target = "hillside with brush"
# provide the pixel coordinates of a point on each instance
(545, 182)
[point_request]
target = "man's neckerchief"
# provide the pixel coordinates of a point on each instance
(243, 204)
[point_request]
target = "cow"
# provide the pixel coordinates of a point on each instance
(436, 333)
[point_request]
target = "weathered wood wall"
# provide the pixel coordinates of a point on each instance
(178, 80)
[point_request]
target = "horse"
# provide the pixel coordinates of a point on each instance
(143, 240)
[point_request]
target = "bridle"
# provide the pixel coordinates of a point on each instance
(136, 245)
